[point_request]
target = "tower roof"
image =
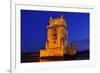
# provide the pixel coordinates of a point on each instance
(57, 21)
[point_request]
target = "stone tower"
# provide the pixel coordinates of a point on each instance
(57, 38)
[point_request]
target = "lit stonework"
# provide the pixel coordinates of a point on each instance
(57, 38)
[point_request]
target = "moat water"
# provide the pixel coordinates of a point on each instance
(30, 57)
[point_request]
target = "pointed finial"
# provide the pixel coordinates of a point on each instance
(50, 18)
(61, 16)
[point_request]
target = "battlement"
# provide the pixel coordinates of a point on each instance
(57, 21)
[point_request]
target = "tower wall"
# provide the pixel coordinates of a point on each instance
(56, 38)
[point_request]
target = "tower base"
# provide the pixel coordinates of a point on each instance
(52, 52)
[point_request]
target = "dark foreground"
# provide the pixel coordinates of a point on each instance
(34, 57)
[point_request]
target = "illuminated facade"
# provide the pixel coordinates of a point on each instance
(57, 38)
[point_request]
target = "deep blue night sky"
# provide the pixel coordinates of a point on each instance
(34, 29)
